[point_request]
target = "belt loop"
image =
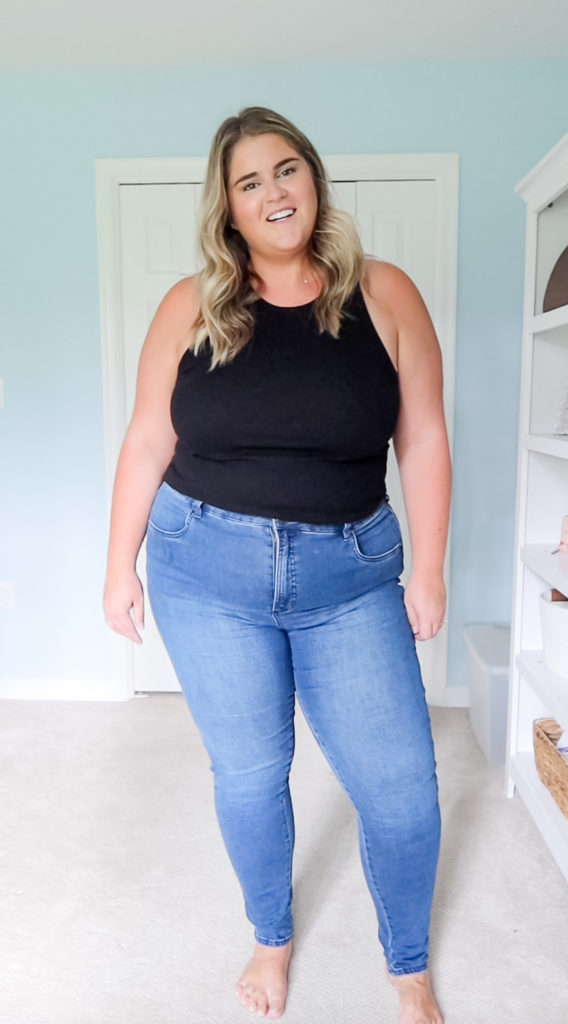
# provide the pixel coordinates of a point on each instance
(196, 504)
(347, 530)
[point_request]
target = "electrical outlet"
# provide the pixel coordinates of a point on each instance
(6, 596)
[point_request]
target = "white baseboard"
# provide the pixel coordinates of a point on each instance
(457, 697)
(52, 689)
(49, 689)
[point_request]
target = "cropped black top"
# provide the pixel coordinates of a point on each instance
(296, 427)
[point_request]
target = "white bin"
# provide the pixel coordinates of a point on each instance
(488, 645)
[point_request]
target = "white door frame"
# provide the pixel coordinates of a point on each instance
(442, 168)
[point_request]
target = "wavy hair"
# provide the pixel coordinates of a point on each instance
(226, 295)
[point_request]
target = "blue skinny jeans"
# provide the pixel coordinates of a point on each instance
(252, 612)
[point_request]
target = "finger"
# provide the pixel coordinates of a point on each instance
(425, 632)
(414, 625)
(138, 611)
(124, 626)
(412, 617)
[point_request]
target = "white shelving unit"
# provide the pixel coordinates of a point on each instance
(542, 494)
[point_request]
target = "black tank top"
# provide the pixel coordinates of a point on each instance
(296, 427)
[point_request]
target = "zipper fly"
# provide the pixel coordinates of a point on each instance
(283, 574)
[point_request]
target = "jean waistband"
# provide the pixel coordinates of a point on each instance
(199, 507)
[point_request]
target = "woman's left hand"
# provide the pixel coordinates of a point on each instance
(425, 601)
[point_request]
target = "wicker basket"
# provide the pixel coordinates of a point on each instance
(550, 765)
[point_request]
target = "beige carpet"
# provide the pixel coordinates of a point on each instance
(119, 905)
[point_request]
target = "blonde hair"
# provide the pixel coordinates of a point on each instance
(226, 295)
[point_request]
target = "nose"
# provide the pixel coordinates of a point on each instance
(275, 189)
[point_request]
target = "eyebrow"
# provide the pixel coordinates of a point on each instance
(255, 174)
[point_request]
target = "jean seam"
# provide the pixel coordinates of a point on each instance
(288, 837)
(373, 558)
(292, 570)
(362, 524)
(177, 533)
(273, 942)
(235, 519)
(381, 901)
(398, 973)
(275, 565)
(288, 840)
(284, 809)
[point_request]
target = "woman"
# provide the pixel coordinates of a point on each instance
(273, 554)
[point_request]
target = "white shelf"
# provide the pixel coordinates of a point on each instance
(547, 444)
(552, 689)
(552, 568)
(542, 491)
(547, 816)
(549, 321)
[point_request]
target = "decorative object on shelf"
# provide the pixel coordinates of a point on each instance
(554, 622)
(556, 293)
(562, 421)
(551, 766)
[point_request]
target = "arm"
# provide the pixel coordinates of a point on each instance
(421, 447)
(146, 452)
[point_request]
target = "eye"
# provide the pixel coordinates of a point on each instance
(249, 185)
(287, 170)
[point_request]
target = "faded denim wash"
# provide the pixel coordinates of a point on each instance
(254, 611)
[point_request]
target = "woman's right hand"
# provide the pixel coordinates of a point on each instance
(123, 605)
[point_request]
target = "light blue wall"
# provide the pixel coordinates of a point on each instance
(501, 117)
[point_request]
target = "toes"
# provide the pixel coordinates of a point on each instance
(249, 998)
(256, 1001)
(276, 1010)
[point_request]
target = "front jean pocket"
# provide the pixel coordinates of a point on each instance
(171, 512)
(379, 539)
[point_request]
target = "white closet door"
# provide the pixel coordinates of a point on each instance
(158, 226)
(397, 223)
(344, 196)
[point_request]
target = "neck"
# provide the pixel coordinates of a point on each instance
(286, 280)
(287, 274)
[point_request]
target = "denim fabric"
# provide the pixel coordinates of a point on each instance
(255, 610)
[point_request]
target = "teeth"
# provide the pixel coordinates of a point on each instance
(281, 215)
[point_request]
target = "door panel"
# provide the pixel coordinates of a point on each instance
(344, 196)
(158, 226)
(397, 223)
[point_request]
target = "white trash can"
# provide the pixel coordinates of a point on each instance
(488, 645)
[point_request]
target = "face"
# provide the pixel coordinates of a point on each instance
(272, 197)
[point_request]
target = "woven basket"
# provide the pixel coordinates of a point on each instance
(550, 765)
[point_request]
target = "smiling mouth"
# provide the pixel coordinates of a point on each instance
(275, 218)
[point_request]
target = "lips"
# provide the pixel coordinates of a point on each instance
(284, 214)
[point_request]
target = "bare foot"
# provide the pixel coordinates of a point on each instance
(263, 985)
(417, 1001)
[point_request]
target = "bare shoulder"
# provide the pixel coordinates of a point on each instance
(390, 286)
(168, 337)
(399, 295)
(377, 295)
(172, 325)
